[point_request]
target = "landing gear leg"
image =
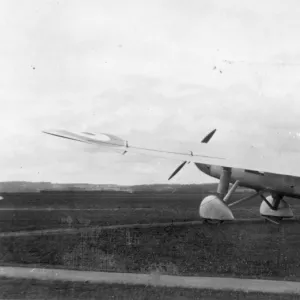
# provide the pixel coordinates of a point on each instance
(224, 183)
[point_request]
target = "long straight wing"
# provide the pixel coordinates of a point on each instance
(246, 158)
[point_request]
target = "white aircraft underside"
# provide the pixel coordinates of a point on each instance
(265, 171)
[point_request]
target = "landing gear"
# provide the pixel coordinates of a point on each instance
(274, 208)
(213, 222)
(213, 208)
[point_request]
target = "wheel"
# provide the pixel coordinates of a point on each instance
(213, 222)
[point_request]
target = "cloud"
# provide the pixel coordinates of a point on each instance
(173, 122)
(149, 72)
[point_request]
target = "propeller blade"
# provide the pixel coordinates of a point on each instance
(207, 138)
(177, 170)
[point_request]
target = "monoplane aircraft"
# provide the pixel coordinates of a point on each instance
(272, 175)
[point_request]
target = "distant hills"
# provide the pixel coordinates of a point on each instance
(26, 186)
(30, 187)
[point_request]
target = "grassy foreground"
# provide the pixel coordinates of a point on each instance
(251, 250)
(34, 289)
(260, 250)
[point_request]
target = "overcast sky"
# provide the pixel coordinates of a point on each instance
(143, 69)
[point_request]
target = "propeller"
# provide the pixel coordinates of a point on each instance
(177, 170)
(205, 140)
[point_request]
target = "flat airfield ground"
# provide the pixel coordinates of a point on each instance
(253, 250)
(32, 211)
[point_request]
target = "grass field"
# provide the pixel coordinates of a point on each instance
(80, 209)
(255, 250)
(33, 289)
(243, 250)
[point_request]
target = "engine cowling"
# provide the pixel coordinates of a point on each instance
(213, 208)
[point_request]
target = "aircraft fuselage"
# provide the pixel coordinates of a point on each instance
(281, 184)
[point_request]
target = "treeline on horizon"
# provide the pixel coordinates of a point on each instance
(48, 187)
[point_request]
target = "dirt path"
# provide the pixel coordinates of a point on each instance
(247, 285)
(73, 230)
